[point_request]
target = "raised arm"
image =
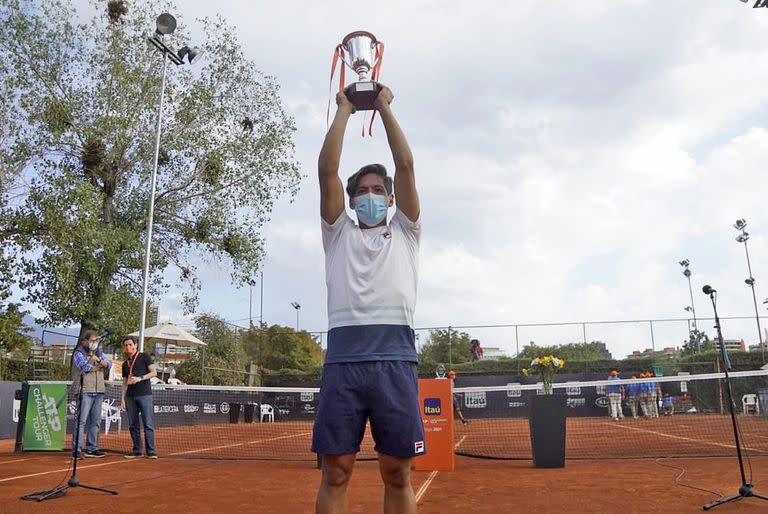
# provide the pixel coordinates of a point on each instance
(331, 190)
(406, 197)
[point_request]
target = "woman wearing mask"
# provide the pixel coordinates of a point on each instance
(89, 363)
(136, 397)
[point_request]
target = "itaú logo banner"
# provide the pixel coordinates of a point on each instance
(432, 407)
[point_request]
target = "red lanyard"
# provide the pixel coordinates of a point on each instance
(130, 370)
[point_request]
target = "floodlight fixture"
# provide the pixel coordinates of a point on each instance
(165, 24)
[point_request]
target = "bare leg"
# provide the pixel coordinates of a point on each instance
(398, 493)
(332, 495)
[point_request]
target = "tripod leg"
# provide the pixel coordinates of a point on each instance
(759, 496)
(93, 488)
(722, 501)
(53, 493)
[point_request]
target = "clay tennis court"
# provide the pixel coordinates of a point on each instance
(700, 435)
(477, 486)
(178, 483)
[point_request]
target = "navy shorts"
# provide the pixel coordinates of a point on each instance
(384, 392)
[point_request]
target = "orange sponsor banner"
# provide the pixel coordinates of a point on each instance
(436, 404)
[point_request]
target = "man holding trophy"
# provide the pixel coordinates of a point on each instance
(371, 274)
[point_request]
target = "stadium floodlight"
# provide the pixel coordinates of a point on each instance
(685, 263)
(296, 306)
(164, 25)
(743, 237)
(192, 54)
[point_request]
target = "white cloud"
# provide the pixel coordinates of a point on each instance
(568, 155)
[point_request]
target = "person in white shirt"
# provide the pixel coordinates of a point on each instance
(371, 274)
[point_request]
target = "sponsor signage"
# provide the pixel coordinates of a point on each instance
(191, 408)
(432, 407)
(476, 400)
(209, 408)
(514, 390)
(224, 408)
(44, 424)
(166, 409)
(307, 396)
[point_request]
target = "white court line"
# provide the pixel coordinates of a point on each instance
(671, 436)
(170, 454)
(124, 461)
(240, 444)
(19, 460)
(423, 489)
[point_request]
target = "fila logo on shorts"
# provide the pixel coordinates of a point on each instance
(418, 447)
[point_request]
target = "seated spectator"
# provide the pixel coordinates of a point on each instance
(668, 405)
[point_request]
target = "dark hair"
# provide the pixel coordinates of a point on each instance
(376, 169)
(88, 334)
(129, 338)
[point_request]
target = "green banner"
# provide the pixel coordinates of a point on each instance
(45, 423)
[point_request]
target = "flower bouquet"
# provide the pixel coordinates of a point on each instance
(544, 367)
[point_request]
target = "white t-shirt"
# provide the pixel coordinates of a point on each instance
(372, 277)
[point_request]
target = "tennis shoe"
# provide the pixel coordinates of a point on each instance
(132, 455)
(151, 455)
(94, 454)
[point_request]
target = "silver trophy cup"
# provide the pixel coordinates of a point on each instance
(360, 47)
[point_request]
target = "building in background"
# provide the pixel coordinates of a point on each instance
(670, 352)
(733, 345)
(154, 314)
(756, 347)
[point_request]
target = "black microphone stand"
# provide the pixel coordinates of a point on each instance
(745, 490)
(73, 480)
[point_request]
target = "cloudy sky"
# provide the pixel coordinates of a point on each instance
(568, 155)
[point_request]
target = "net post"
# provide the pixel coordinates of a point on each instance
(24, 392)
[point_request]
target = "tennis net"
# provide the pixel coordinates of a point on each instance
(276, 423)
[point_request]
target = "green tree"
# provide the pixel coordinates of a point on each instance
(84, 100)
(223, 355)
(446, 346)
(12, 328)
(697, 342)
(570, 351)
(278, 347)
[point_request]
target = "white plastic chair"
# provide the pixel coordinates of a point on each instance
(175, 382)
(110, 413)
(267, 411)
(749, 401)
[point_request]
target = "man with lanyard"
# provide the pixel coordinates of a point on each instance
(614, 397)
(89, 362)
(136, 398)
(633, 395)
(371, 275)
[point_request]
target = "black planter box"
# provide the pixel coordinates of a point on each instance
(547, 424)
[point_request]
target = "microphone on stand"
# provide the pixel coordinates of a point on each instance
(708, 290)
(107, 332)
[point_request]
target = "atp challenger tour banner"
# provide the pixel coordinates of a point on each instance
(44, 423)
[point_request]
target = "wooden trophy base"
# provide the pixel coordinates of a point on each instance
(362, 94)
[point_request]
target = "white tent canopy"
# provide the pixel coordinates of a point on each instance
(168, 333)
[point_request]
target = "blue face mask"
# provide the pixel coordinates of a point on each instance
(371, 209)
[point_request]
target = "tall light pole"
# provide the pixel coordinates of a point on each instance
(165, 25)
(685, 263)
(296, 306)
(743, 237)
